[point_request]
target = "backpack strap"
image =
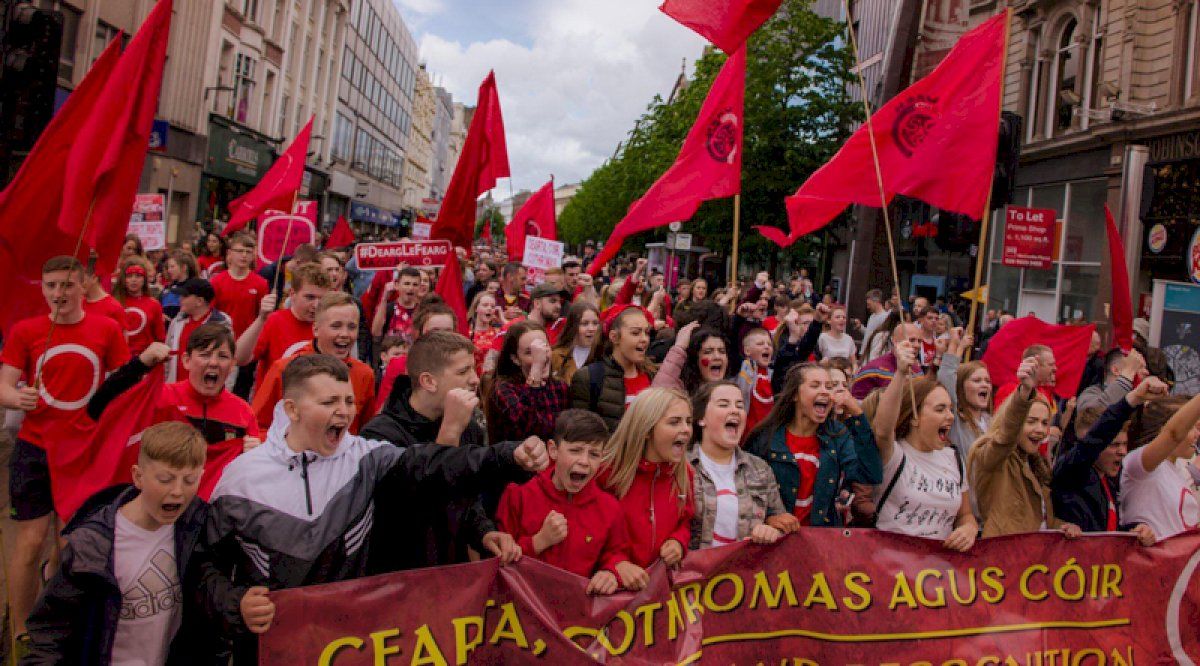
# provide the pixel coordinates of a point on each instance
(595, 384)
(887, 492)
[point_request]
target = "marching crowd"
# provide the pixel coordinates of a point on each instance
(597, 424)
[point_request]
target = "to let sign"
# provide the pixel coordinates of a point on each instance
(1029, 237)
(422, 254)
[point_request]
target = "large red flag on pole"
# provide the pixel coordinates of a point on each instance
(1070, 345)
(709, 165)
(536, 218)
(1122, 301)
(105, 163)
(29, 206)
(726, 23)
(936, 142)
(483, 161)
(279, 185)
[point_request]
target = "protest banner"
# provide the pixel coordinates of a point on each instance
(148, 221)
(820, 596)
(1029, 237)
(273, 231)
(420, 230)
(542, 254)
(418, 254)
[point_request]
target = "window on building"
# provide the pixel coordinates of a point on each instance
(105, 33)
(284, 109)
(250, 10)
(1094, 98)
(343, 127)
(1033, 84)
(1191, 77)
(348, 65)
(243, 88)
(1066, 71)
(70, 39)
(362, 150)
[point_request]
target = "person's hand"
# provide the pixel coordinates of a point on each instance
(258, 611)
(503, 546)
(632, 576)
(967, 343)
(1027, 372)
(746, 310)
(671, 552)
(513, 312)
(604, 583)
(154, 354)
(458, 410)
(657, 299)
(1145, 534)
(942, 345)
(764, 534)
(461, 254)
(585, 280)
(27, 398)
(906, 357)
(762, 280)
(268, 305)
(1151, 389)
(684, 337)
(846, 401)
(531, 455)
(539, 349)
(640, 267)
(554, 530)
(1132, 365)
(249, 443)
(823, 313)
(962, 538)
(784, 522)
(1071, 530)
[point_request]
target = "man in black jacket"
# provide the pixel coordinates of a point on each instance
(1084, 486)
(436, 402)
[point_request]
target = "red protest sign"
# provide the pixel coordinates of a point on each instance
(1029, 237)
(817, 597)
(419, 254)
(273, 231)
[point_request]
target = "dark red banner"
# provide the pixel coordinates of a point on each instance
(418, 254)
(818, 597)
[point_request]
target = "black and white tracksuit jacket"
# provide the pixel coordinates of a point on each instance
(283, 519)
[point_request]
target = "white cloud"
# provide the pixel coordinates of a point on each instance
(421, 7)
(573, 93)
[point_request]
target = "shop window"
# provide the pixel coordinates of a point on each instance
(1004, 287)
(1085, 238)
(1066, 70)
(1080, 286)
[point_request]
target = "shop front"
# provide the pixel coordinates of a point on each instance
(236, 160)
(1170, 243)
(374, 219)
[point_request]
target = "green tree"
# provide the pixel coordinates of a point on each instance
(798, 113)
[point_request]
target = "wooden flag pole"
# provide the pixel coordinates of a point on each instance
(737, 222)
(287, 237)
(883, 202)
(981, 253)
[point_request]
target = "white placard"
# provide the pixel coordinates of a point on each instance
(421, 230)
(148, 221)
(542, 253)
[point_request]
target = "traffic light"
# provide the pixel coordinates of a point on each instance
(28, 75)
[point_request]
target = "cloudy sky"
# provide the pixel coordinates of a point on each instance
(573, 75)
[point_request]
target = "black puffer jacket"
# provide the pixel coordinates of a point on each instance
(600, 387)
(408, 532)
(75, 619)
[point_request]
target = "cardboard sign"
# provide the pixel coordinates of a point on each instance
(148, 221)
(542, 253)
(418, 254)
(421, 230)
(279, 234)
(1029, 235)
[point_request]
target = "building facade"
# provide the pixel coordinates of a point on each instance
(419, 163)
(376, 91)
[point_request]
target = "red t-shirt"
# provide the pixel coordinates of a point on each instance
(78, 358)
(402, 322)
(108, 307)
(143, 323)
(761, 401)
(282, 335)
(635, 385)
(240, 299)
(806, 450)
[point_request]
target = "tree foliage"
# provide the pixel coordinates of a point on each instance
(798, 113)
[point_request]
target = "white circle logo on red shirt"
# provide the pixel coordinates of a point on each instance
(142, 319)
(294, 349)
(59, 350)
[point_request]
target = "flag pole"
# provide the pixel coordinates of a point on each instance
(883, 202)
(981, 253)
(737, 221)
(287, 236)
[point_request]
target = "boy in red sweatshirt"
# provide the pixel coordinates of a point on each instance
(561, 517)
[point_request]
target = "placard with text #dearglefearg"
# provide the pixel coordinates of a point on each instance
(418, 254)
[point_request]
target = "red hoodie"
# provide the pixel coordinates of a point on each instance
(650, 523)
(595, 529)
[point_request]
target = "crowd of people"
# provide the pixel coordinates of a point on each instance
(597, 424)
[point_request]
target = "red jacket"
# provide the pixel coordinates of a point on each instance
(653, 512)
(595, 529)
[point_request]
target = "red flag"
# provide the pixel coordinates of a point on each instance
(726, 23)
(936, 142)
(29, 206)
(709, 165)
(278, 188)
(486, 232)
(1070, 345)
(105, 163)
(1122, 301)
(342, 235)
(483, 161)
(536, 218)
(450, 288)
